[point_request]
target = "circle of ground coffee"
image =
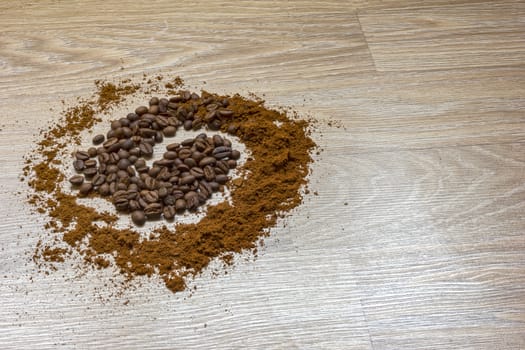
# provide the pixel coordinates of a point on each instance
(271, 185)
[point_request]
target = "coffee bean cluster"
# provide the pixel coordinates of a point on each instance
(186, 176)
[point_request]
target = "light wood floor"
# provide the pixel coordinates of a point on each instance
(417, 237)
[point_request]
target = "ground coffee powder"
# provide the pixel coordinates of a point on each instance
(271, 185)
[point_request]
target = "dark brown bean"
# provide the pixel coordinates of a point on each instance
(92, 152)
(85, 188)
(138, 217)
(98, 139)
(169, 212)
(79, 165)
(141, 110)
(90, 163)
(88, 172)
(192, 200)
(186, 180)
(207, 161)
(221, 179)
(76, 180)
(169, 131)
(82, 155)
(235, 154)
(98, 179)
(153, 210)
(232, 163)
(184, 153)
(209, 173)
(104, 189)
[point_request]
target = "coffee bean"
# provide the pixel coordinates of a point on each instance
(221, 179)
(90, 163)
(141, 110)
(207, 161)
(92, 152)
(123, 164)
(169, 212)
(215, 186)
(232, 163)
(81, 155)
(138, 217)
(188, 124)
(209, 173)
(192, 200)
(150, 196)
(184, 153)
(98, 179)
(76, 180)
(79, 165)
(98, 139)
(232, 129)
(215, 125)
(85, 188)
(169, 131)
(104, 190)
(146, 149)
(186, 180)
(224, 112)
(223, 165)
(180, 204)
(235, 154)
(153, 210)
(88, 172)
(197, 172)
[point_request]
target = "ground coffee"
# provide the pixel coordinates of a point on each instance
(273, 177)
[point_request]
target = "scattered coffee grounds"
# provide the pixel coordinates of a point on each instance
(270, 184)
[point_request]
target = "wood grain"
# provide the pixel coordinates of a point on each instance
(416, 237)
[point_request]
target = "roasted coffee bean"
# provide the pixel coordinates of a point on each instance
(207, 161)
(205, 188)
(172, 147)
(215, 124)
(79, 165)
(232, 163)
(103, 190)
(223, 165)
(187, 124)
(154, 101)
(92, 152)
(154, 171)
(132, 117)
(81, 155)
(88, 172)
(232, 129)
(197, 172)
(121, 186)
(133, 205)
(184, 153)
(110, 142)
(153, 109)
(150, 196)
(90, 163)
(221, 179)
(196, 124)
(85, 188)
(224, 112)
(141, 110)
(131, 194)
(235, 155)
(103, 157)
(215, 186)
(209, 173)
(170, 155)
(227, 143)
(169, 131)
(122, 174)
(153, 210)
(98, 139)
(98, 179)
(192, 200)
(190, 162)
(138, 217)
(111, 168)
(150, 183)
(169, 200)
(188, 179)
(123, 154)
(76, 180)
(127, 144)
(162, 192)
(123, 164)
(146, 149)
(168, 212)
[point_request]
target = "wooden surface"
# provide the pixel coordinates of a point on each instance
(417, 237)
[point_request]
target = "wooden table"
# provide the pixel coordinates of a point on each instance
(416, 238)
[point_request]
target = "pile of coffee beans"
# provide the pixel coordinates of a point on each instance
(186, 176)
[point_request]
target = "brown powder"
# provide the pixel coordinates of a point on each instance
(274, 175)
